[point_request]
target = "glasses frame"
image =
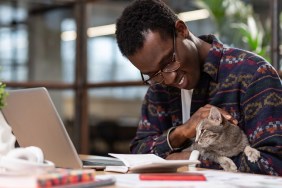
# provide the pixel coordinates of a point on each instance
(147, 82)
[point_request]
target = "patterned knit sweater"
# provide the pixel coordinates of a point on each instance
(238, 81)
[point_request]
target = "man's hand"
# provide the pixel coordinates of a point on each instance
(183, 155)
(188, 130)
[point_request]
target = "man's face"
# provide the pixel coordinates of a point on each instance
(157, 53)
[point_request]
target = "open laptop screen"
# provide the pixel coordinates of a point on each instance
(36, 122)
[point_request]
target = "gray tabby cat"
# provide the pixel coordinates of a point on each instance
(217, 140)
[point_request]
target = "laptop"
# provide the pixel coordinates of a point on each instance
(35, 122)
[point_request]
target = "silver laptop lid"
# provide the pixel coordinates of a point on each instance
(36, 122)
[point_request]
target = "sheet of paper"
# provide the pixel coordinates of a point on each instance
(135, 160)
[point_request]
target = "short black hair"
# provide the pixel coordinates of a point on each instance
(139, 17)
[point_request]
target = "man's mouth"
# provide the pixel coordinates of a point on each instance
(181, 81)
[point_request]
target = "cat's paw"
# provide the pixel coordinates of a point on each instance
(227, 164)
(252, 154)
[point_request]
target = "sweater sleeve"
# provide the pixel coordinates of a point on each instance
(262, 111)
(156, 119)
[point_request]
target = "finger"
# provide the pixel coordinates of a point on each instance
(230, 118)
(234, 121)
(204, 113)
(208, 106)
(227, 116)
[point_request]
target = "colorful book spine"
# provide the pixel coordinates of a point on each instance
(59, 177)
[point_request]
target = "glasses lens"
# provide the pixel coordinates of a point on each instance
(171, 67)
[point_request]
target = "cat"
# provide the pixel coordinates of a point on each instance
(217, 140)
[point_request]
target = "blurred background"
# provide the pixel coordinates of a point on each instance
(69, 47)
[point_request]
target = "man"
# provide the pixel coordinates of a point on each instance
(187, 75)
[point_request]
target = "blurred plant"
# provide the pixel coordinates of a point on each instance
(231, 16)
(3, 95)
(253, 34)
(225, 12)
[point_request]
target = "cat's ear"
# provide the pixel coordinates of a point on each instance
(199, 130)
(215, 115)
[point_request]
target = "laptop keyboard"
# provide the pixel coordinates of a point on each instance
(102, 162)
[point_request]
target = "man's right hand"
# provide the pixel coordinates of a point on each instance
(188, 130)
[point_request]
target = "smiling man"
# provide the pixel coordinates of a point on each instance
(187, 76)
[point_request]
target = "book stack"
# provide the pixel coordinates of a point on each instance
(62, 176)
(57, 177)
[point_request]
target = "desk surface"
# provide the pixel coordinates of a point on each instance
(215, 179)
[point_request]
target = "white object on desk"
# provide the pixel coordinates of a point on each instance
(19, 159)
(7, 139)
(193, 156)
(23, 166)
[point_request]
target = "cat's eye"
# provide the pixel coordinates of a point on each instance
(213, 135)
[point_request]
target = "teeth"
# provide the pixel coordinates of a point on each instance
(181, 81)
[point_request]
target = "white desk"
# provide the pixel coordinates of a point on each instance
(215, 179)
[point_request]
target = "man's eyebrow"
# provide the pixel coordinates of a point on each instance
(164, 61)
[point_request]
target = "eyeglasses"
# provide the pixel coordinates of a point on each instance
(158, 77)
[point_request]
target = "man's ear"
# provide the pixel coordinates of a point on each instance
(182, 29)
(215, 115)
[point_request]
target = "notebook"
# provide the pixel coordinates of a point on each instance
(35, 122)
